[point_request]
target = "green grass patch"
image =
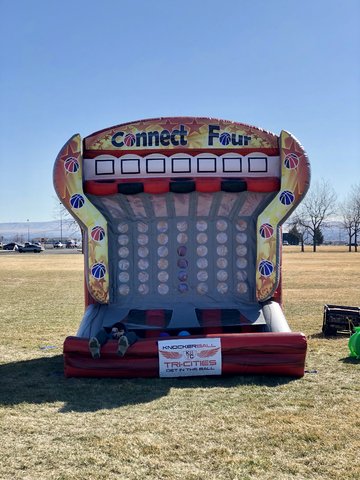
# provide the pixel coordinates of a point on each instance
(192, 428)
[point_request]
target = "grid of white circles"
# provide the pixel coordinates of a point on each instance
(142, 257)
(241, 252)
(222, 256)
(124, 263)
(162, 228)
(202, 262)
(182, 262)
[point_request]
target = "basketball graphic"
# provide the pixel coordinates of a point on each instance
(77, 200)
(129, 140)
(266, 268)
(71, 165)
(225, 138)
(97, 233)
(266, 230)
(286, 197)
(98, 270)
(291, 161)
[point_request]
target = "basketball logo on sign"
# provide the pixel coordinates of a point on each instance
(98, 270)
(71, 165)
(266, 230)
(77, 200)
(266, 268)
(225, 138)
(286, 197)
(97, 233)
(291, 161)
(129, 140)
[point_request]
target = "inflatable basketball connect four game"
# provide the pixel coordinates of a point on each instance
(181, 221)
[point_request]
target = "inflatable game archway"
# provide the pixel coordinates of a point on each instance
(181, 220)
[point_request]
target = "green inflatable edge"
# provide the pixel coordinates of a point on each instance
(354, 344)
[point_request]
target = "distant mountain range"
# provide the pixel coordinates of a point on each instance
(68, 229)
(53, 230)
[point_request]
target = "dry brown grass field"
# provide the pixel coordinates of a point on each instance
(268, 428)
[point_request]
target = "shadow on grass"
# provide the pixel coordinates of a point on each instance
(316, 335)
(337, 336)
(42, 380)
(351, 360)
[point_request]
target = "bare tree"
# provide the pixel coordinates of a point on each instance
(65, 219)
(347, 220)
(294, 224)
(356, 192)
(350, 210)
(318, 206)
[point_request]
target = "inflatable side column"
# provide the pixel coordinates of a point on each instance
(68, 183)
(295, 181)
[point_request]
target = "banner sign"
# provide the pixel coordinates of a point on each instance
(180, 133)
(188, 357)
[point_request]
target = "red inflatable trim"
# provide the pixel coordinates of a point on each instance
(90, 153)
(155, 318)
(211, 321)
(158, 186)
(208, 185)
(100, 188)
(271, 184)
(243, 353)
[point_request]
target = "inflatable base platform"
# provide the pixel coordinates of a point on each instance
(241, 354)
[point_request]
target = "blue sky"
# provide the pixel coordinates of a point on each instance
(78, 66)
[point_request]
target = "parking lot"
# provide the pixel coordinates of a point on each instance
(47, 251)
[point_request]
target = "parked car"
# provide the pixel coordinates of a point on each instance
(31, 247)
(71, 244)
(12, 246)
(58, 245)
